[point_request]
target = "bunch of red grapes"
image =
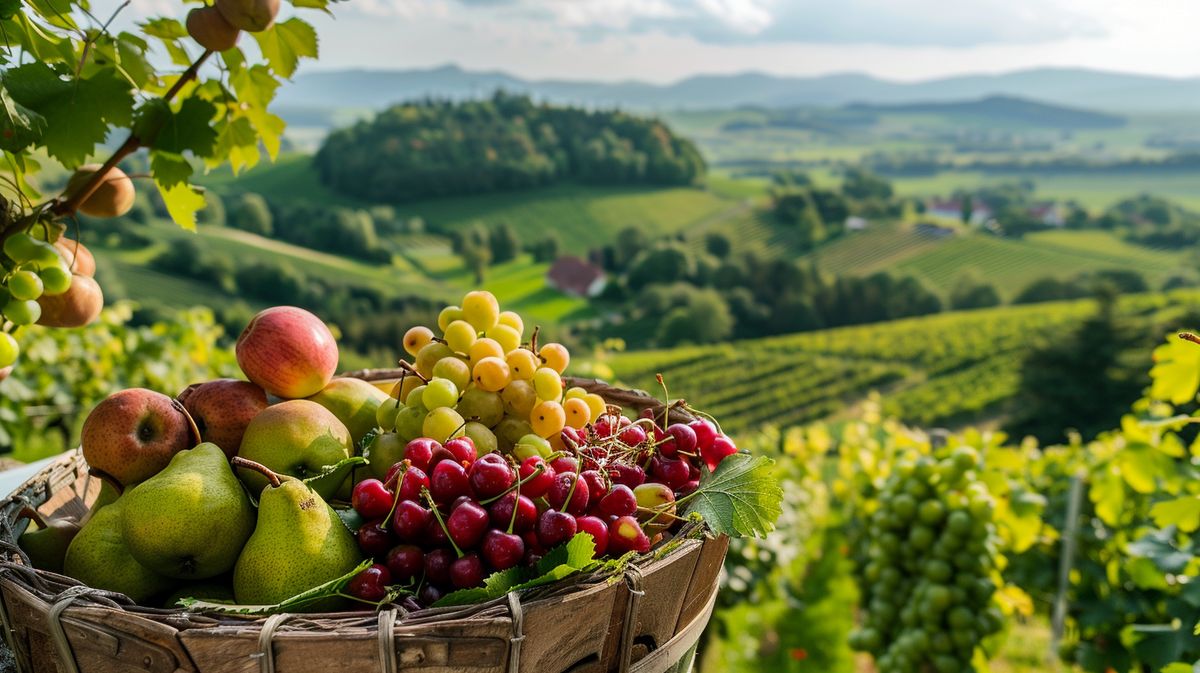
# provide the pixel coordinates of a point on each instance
(444, 518)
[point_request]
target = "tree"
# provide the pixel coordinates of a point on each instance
(214, 210)
(251, 213)
(1049, 289)
(504, 242)
(547, 249)
(666, 263)
(705, 318)
(971, 291)
(631, 241)
(862, 185)
(718, 245)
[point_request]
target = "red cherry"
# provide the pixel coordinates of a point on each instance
(596, 483)
(669, 471)
(502, 550)
(565, 464)
(437, 566)
(373, 540)
(721, 448)
(406, 562)
(467, 524)
(435, 534)
(490, 478)
(463, 449)
(537, 486)
(370, 584)
(429, 594)
(624, 473)
(572, 436)
(682, 438)
(410, 521)
(687, 489)
(420, 450)
(411, 484)
(448, 481)
(633, 435)
(555, 527)
(705, 432)
(501, 513)
(371, 499)
(598, 530)
(619, 501)
(466, 571)
(568, 484)
(625, 534)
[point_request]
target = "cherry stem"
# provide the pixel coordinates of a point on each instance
(512, 520)
(238, 461)
(408, 366)
(517, 486)
(441, 522)
(397, 479)
(657, 512)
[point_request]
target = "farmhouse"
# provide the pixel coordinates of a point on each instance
(952, 209)
(572, 275)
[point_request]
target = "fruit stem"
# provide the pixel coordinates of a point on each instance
(517, 486)
(441, 522)
(33, 515)
(1188, 336)
(533, 341)
(407, 366)
(107, 478)
(397, 480)
(512, 520)
(238, 461)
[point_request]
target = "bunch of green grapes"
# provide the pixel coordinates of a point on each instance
(482, 379)
(29, 269)
(930, 573)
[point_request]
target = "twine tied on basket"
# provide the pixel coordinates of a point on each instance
(266, 650)
(58, 632)
(633, 580)
(518, 630)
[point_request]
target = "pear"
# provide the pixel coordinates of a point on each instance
(46, 546)
(297, 438)
(190, 520)
(99, 558)
(299, 543)
(354, 402)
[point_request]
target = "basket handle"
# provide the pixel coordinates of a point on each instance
(387, 641)
(518, 629)
(633, 581)
(266, 649)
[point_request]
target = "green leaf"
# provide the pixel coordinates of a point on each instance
(332, 477)
(1183, 513)
(237, 143)
(131, 50)
(1177, 667)
(169, 169)
(1176, 371)
(284, 44)
(164, 28)
(255, 88)
(9, 8)
(183, 201)
(559, 563)
(189, 129)
(329, 589)
(77, 112)
(56, 12)
(322, 5)
(1141, 466)
(741, 499)
(20, 127)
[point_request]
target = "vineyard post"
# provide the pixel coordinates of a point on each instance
(1066, 561)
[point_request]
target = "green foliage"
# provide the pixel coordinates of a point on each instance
(439, 148)
(740, 499)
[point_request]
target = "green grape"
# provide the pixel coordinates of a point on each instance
(482, 405)
(519, 398)
(442, 424)
(485, 440)
(9, 349)
(548, 384)
(455, 370)
(55, 280)
(510, 430)
(385, 414)
(430, 355)
(439, 393)
(22, 248)
(449, 315)
(22, 312)
(409, 422)
(25, 285)
(459, 336)
(532, 445)
(481, 309)
(416, 398)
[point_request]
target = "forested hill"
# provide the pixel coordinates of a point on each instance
(444, 148)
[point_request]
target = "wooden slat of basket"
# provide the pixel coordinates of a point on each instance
(704, 580)
(569, 632)
(670, 657)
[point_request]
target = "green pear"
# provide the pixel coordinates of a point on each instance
(299, 543)
(190, 520)
(354, 402)
(297, 438)
(46, 546)
(99, 558)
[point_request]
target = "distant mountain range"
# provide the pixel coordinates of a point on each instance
(1077, 88)
(1005, 110)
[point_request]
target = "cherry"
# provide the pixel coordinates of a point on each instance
(406, 562)
(625, 535)
(419, 451)
(448, 481)
(435, 534)
(603, 427)
(463, 449)
(370, 584)
(437, 566)
(565, 464)
(373, 540)
(721, 448)
(633, 435)
(555, 527)
(371, 499)
(573, 437)
(410, 521)
(693, 471)
(672, 472)
(596, 484)
(537, 486)
(466, 571)
(411, 484)
(502, 550)
(429, 594)
(532, 545)
(467, 524)
(705, 432)
(439, 454)
(490, 478)
(568, 484)
(501, 513)
(595, 527)
(619, 501)
(629, 475)
(688, 488)
(682, 438)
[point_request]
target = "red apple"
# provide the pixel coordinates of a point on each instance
(288, 351)
(222, 409)
(133, 434)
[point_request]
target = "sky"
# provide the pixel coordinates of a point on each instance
(666, 40)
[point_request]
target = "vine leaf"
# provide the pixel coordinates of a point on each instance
(183, 201)
(20, 127)
(1176, 371)
(741, 499)
(1184, 513)
(189, 129)
(559, 563)
(329, 589)
(284, 44)
(169, 169)
(327, 482)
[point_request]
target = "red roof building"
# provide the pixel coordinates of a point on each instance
(572, 275)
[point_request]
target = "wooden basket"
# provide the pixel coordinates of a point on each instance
(648, 620)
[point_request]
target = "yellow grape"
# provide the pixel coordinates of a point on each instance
(578, 412)
(409, 384)
(459, 336)
(449, 315)
(491, 374)
(481, 309)
(9, 349)
(519, 397)
(455, 370)
(508, 338)
(485, 348)
(416, 397)
(442, 424)
(430, 355)
(555, 356)
(548, 418)
(417, 338)
(596, 404)
(523, 364)
(514, 321)
(548, 384)
(573, 392)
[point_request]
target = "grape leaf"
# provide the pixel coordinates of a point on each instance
(131, 50)
(1176, 371)
(329, 589)
(1184, 513)
(9, 8)
(20, 127)
(332, 477)
(77, 112)
(255, 88)
(284, 44)
(164, 28)
(188, 129)
(741, 499)
(169, 169)
(183, 201)
(559, 563)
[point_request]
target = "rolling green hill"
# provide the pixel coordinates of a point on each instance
(932, 370)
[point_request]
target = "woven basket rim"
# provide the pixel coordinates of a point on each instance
(70, 467)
